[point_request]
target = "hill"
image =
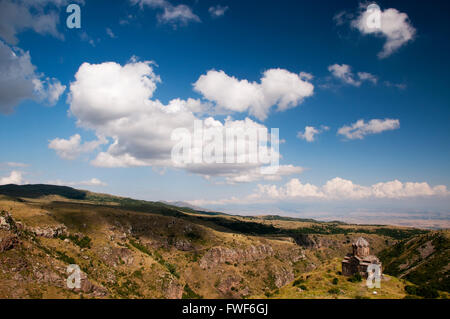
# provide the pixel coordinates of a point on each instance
(423, 260)
(129, 248)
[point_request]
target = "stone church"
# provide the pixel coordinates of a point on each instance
(359, 259)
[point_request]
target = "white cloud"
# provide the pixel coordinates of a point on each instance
(306, 76)
(117, 102)
(277, 87)
(365, 76)
(359, 129)
(310, 132)
(341, 17)
(110, 33)
(91, 182)
(55, 90)
(19, 80)
(336, 189)
(72, 148)
(394, 26)
(253, 175)
(341, 189)
(14, 178)
(344, 73)
(218, 10)
(173, 14)
(20, 15)
(16, 78)
(48, 90)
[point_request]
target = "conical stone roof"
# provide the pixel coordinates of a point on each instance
(361, 242)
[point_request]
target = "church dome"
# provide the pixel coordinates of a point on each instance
(361, 242)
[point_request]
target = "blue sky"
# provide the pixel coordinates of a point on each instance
(244, 39)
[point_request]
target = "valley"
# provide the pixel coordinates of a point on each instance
(129, 248)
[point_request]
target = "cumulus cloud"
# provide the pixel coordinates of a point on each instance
(218, 10)
(19, 80)
(277, 87)
(344, 73)
(20, 15)
(336, 189)
(15, 177)
(172, 14)
(341, 189)
(48, 90)
(310, 132)
(16, 78)
(72, 148)
(360, 128)
(116, 101)
(394, 26)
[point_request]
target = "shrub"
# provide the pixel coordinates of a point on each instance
(193, 235)
(355, 278)
(67, 259)
(298, 282)
(412, 290)
(422, 291)
(82, 242)
(140, 247)
(334, 290)
(190, 294)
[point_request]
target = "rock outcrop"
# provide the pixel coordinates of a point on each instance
(8, 240)
(229, 285)
(313, 241)
(49, 231)
(221, 255)
(282, 276)
(172, 289)
(7, 222)
(114, 256)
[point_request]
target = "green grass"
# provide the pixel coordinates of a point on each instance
(188, 293)
(428, 271)
(80, 241)
(140, 247)
(63, 257)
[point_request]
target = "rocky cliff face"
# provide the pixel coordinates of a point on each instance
(313, 241)
(8, 240)
(49, 231)
(221, 255)
(8, 229)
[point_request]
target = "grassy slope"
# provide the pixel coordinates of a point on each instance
(149, 233)
(423, 260)
(319, 285)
